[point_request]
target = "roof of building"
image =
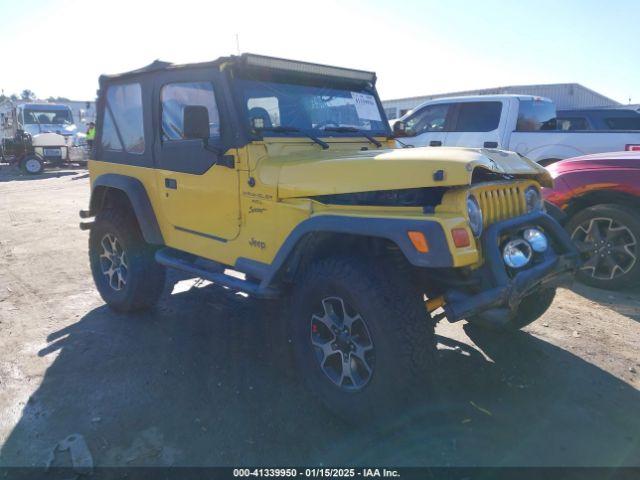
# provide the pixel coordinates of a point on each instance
(505, 89)
(480, 97)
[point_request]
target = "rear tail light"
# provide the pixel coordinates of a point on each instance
(632, 147)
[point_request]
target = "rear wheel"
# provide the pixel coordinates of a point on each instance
(123, 265)
(361, 339)
(608, 237)
(32, 165)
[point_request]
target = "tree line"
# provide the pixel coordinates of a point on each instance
(29, 95)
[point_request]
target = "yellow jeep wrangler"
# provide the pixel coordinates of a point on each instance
(288, 173)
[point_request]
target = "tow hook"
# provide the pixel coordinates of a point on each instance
(432, 305)
(86, 214)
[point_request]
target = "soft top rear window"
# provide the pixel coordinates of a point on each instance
(122, 127)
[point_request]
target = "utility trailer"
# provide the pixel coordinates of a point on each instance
(36, 135)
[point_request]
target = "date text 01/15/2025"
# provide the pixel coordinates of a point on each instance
(316, 472)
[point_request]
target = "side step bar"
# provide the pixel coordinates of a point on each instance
(214, 273)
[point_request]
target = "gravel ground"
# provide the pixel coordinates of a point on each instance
(197, 382)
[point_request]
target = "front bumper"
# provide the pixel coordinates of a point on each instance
(498, 294)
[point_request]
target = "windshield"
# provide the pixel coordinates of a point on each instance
(311, 108)
(55, 117)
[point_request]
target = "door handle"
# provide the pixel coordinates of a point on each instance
(490, 144)
(171, 183)
(435, 143)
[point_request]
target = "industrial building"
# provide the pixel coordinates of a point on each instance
(565, 95)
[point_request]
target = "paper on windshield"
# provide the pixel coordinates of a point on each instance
(366, 106)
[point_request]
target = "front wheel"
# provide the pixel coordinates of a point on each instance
(32, 165)
(361, 338)
(608, 237)
(123, 265)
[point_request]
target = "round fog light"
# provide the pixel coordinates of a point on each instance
(517, 253)
(536, 239)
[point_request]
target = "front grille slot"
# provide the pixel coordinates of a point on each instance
(500, 202)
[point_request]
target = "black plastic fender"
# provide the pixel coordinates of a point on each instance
(137, 195)
(395, 230)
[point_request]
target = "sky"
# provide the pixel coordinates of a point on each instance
(60, 47)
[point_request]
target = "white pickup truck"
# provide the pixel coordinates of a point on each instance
(521, 123)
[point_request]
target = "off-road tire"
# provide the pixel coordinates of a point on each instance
(145, 277)
(27, 162)
(530, 309)
(622, 215)
(396, 318)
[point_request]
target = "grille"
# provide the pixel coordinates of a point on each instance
(500, 202)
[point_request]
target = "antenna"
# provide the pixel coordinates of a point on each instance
(238, 44)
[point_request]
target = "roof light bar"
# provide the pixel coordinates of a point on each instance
(304, 67)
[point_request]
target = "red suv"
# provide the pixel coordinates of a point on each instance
(600, 198)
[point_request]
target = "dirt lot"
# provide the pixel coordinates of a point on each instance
(196, 382)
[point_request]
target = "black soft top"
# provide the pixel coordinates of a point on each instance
(249, 60)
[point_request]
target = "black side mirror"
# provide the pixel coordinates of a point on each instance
(195, 120)
(400, 129)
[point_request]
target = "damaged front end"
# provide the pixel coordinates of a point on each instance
(493, 292)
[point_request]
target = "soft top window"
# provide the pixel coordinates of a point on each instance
(122, 128)
(175, 96)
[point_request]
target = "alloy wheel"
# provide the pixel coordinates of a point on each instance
(609, 248)
(113, 262)
(343, 345)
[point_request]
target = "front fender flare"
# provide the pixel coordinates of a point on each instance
(391, 229)
(137, 195)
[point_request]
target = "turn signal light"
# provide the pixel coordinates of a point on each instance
(631, 147)
(419, 241)
(460, 237)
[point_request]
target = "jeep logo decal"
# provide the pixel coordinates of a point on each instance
(257, 243)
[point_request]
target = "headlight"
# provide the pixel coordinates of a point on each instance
(536, 239)
(516, 253)
(475, 215)
(533, 199)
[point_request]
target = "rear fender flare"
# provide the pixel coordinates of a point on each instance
(138, 197)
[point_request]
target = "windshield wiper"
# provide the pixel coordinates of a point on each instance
(354, 130)
(286, 128)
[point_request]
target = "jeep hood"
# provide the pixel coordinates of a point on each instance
(334, 172)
